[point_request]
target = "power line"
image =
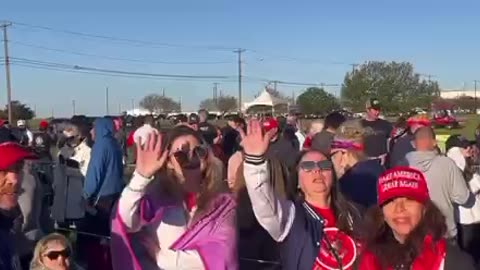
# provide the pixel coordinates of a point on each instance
(49, 68)
(124, 40)
(152, 44)
(116, 58)
(266, 80)
(122, 72)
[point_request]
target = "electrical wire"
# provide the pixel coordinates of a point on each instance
(116, 58)
(32, 66)
(123, 40)
(111, 71)
(143, 43)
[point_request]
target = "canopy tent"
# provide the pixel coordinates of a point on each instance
(265, 99)
(138, 112)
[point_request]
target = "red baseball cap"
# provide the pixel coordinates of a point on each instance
(269, 124)
(10, 151)
(402, 182)
(43, 124)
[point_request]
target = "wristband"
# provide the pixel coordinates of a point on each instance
(254, 159)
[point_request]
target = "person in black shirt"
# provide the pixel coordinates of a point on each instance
(42, 142)
(207, 130)
(230, 135)
(380, 130)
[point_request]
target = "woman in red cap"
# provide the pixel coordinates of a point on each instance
(406, 230)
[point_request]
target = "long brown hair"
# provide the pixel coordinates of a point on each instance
(347, 215)
(212, 183)
(379, 239)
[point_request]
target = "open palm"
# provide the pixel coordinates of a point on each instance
(150, 158)
(256, 143)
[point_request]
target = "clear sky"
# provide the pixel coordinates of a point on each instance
(302, 41)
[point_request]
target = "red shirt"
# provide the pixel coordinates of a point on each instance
(130, 141)
(342, 243)
(307, 144)
(327, 214)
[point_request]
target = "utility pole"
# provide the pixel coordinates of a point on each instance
(180, 103)
(275, 85)
(354, 68)
(163, 92)
(106, 101)
(215, 93)
(74, 108)
(239, 52)
(119, 108)
(7, 70)
(133, 104)
(475, 95)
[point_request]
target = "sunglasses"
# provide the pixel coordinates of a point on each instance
(183, 156)
(53, 255)
(323, 165)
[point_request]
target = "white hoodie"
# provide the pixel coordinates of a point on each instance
(467, 215)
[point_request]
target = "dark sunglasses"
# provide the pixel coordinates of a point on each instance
(324, 165)
(53, 255)
(183, 156)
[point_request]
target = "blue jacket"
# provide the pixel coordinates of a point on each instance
(105, 170)
(359, 183)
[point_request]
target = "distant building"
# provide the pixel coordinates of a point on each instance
(451, 94)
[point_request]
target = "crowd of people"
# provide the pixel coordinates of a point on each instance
(259, 193)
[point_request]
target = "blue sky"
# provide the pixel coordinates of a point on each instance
(301, 41)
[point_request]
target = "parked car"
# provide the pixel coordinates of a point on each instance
(444, 119)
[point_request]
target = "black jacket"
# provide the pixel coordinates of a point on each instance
(8, 256)
(456, 259)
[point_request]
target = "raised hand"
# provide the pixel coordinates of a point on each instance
(255, 143)
(150, 158)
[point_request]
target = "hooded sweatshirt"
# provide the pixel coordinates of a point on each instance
(105, 170)
(445, 182)
(467, 215)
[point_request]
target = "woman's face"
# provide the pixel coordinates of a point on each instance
(339, 159)
(56, 256)
(315, 175)
(189, 160)
(467, 152)
(403, 215)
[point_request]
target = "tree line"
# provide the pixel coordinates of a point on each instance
(396, 84)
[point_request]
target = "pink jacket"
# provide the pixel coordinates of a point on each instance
(213, 235)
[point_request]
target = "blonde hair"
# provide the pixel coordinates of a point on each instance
(353, 131)
(41, 247)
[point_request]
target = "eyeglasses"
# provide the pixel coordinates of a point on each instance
(323, 165)
(183, 156)
(53, 255)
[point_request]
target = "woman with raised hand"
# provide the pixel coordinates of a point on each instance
(173, 214)
(316, 231)
(406, 231)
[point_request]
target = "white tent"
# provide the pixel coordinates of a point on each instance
(138, 112)
(265, 99)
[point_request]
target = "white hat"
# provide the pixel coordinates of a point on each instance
(21, 123)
